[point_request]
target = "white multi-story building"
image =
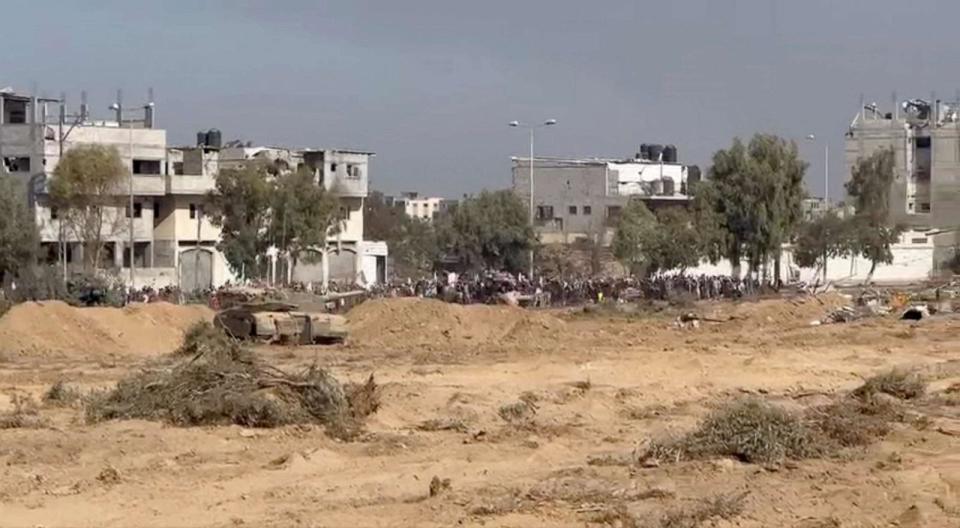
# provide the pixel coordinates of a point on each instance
(173, 241)
(420, 207)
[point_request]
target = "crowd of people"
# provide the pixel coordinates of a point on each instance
(490, 287)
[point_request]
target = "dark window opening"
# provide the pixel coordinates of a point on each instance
(193, 211)
(572, 210)
(919, 240)
(16, 112)
(333, 167)
(587, 210)
(140, 251)
(924, 207)
(178, 167)
(156, 209)
(53, 213)
(922, 142)
(146, 166)
(544, 212)
(137, 210)
(17, 163)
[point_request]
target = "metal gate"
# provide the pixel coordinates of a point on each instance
(196, 269)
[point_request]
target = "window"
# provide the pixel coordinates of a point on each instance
(918, 240)
(544, 212)
(156, 209)
(178, 167)
(53, 213)
(333, 167)
(924, 207)
(17, 164)
(137, 210)
(193, 211)
(572, 210)
(614, 211)
(353, 171)
(587, 210)
(141, 166)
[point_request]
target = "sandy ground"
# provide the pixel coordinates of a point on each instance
(604, 385)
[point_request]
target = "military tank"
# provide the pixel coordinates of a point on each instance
(278, 322)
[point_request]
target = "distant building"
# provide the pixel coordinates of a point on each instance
(174, 243)
(583, 198)
(422, 208)
(925, 138)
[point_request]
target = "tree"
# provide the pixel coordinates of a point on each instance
(756, 191)
(869, 186)
(489, 231)
(19, 239)
(678, 244)
(302, 215)
(240, 206)
(635, 240)
(412, 241)
(85, 190)
(821, 239)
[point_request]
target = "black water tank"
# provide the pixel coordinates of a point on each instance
(693, 175)
(668, 187)
(670, 154)
(655, 152)
(201, 139)
(644, 151)
(214, 138)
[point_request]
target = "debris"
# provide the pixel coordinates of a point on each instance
(109, 475)
(438, 486)
(915, 313)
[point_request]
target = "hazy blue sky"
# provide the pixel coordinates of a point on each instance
(430, 84)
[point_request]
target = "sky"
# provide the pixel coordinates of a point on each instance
(430, 85)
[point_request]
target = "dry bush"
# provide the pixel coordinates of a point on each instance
(62, 395)
(855, 422)
(203, 337)
(897, 383)
(24, 415)
(518, 412)
(225, 383)
(717, 507)
(749, 430)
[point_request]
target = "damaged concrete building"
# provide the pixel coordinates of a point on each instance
(173, 241)
(575, 199)
(925, 194)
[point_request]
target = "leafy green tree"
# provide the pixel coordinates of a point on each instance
(756, 191)
(635, 240)
(412, 241)
(869, 186)
(821, 239)
(86, 190)
(678, 244)
(240, 206)
(302, 214)
(491, 230)
(19, 239)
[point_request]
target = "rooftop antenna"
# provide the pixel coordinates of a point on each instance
(117, 107)
(896, 107)
(149, 115)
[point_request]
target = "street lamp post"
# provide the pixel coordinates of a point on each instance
(532, 129)
(826, 169)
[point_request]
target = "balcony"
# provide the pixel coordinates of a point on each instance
(190, 184)
(152, 185)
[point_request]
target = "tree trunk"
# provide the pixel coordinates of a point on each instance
(776, 270)
(734, 257)
(873, 267)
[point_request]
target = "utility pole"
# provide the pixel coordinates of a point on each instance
(196, 255)
(532, 128)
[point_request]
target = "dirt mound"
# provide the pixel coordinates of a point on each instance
(56, 329)
(796, 311)
(427, 323)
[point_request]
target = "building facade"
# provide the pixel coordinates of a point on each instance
(583, 198)
(421, 207)
(925, 139)
(174, 242)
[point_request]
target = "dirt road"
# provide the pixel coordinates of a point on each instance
(602, 386)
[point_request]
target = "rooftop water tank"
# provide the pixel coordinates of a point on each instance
(214, 139)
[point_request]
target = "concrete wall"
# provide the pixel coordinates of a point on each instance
(351, 229)
(422, 208)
